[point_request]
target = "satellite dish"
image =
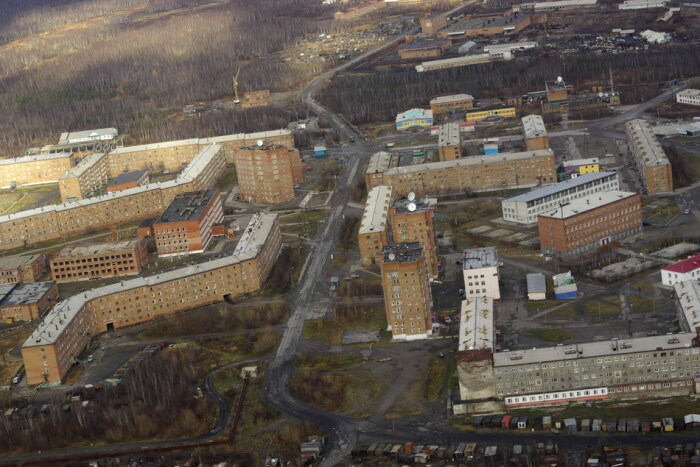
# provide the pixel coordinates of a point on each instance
(559, 79)
(600, 94)
(260, 142)
(411, 196)
(392, 256)
(606, 94)
(411, 207)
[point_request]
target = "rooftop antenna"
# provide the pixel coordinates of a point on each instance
(411, 207)
(560, 79)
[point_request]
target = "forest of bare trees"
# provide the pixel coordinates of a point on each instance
(370, 97)
(133, 64)
(156, 400)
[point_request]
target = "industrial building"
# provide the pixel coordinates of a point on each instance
(449, 142)
(100, 134)
(99, 260)
(20, 269)
(433, 23)
(32, 170)
(536, 286)
(204, 161)
(407, 295)
(129, 180)
(414, 118)
(588, 223)
(535, 133)
(688, 96)
(476, 173)
(641, 4)
(26, 302)
(577, 167)
(374, 234)
(267, 173)
(86, 178)
(557, 99)
(63, 333)
(682, 271)
(379, 162)
(640, 367)
(457, 61)
(424, 49)
(186, 225)
(490, 113)
(451, 104)
(649, 158)
(412, 221)
(497, 25)
(524, 209)
(480, 271)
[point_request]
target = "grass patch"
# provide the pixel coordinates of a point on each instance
(541, 305)
(326, 363)
(335, 392)
(551, 334)
(228, 181)
(642, 304)
(604, 307)
(402, 408)
(286, 271)
(240, 347)
(565, 312)
(317, 215)
(345, 317)
(339, 260)
(435, 378)
(9, 340)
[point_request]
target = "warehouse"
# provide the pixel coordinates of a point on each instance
(501, 25)
(424, 49)
(490, 113)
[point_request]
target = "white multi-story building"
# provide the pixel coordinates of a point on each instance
(689, 96)
(686, 270)
(524, 209)
(480, 269)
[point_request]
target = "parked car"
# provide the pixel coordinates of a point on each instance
(91, 358)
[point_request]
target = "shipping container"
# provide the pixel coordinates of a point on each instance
(547, 423)
(586, 424)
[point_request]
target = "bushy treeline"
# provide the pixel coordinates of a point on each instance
(156, 400)
(364, 98)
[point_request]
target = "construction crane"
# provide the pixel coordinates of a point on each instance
(236, 100)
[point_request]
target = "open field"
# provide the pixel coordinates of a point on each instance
(29, 197)
(346, 317)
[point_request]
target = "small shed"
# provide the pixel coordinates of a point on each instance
(547, 422)
(667, 424)
(250, 371)
(522, 422)
(571, 425)
(596, 425)
(319, 151)
(586, 424)
(536, 286)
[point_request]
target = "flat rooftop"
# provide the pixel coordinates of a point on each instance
(376, 214)
(533, 126)
(93, 249)
(562, 186)
(449, 135)
(129, 177)
(650, 150)
(402, 252)
(476, 324)
(578, 162)
(478, 23)
(452, 98)
(61, 315)
(478, 258)
(469, 161)
(36, 158)
(25, 294)
(13, 262)
(405, 206)
(536, 282)
(688, 294)
(690, 92)
(588, 203)
(187, 206)
(381, 161)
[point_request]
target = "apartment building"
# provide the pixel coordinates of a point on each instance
(688, 96)
(535, 133)
(589, 223)
(475, 349)
(412, 221)
(651, 161)
(379, 162)
(20, 269)
(31, 170)
(61, 221)
(476, 173)
(449, 142)
(374, 233)
(268, 173)
(451, 104)
(51, 350)
(407, 295)
(524, 209)
(99, 260)
(682, 271)
(129, 180)
(480, 271)
(26, 302)
(86, 178)
(186, 225)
